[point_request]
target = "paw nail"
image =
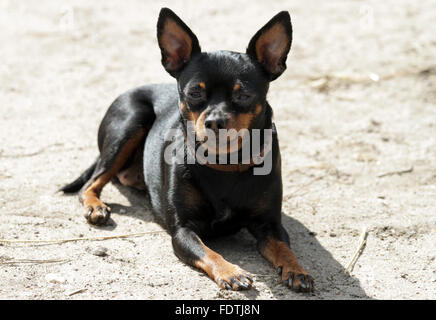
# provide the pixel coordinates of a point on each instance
(291, 281)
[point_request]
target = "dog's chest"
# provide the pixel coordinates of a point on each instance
(222, 216)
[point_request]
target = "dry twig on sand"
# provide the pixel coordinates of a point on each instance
(80, 239)
(362, 244)
(10, 261)
(76, 292)
(293, 194)
(400, 172)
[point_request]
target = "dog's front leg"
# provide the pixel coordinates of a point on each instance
(191, 250)
(273, 244)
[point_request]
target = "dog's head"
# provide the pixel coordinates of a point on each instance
(223, 89)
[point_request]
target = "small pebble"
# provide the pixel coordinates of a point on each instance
(55, 278)
(100, 252)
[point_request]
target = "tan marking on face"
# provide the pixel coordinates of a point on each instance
(202, 85)
(241, 121)
(236, 122)
(236, 87)
(258, 109)
(195, 116)
(244, 120)
(235, 137)
(190, 115)
(198, 119)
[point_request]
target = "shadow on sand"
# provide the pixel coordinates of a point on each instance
(240, 249)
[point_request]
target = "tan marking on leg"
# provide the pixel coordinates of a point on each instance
(280, 255)
(91, 196)
(133, 175)
(225, 274)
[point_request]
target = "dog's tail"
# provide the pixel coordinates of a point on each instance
(77, 184)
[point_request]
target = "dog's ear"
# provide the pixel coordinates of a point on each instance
(271, 44)
(178, 44)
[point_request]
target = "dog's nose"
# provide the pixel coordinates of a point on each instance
(215, 122)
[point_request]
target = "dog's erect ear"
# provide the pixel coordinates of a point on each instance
(271, 44)
(178, 44)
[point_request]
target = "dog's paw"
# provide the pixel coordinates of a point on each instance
(298, 281)
(232, 277)
(98, 215)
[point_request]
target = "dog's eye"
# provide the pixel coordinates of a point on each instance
(241, 97)
(195, 95)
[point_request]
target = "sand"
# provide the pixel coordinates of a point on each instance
(355, 114)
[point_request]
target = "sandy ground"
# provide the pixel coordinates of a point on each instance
(356, 104)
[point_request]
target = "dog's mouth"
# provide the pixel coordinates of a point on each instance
(224, 140)
(222, 147)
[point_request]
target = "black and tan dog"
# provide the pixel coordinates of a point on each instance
(214, 90)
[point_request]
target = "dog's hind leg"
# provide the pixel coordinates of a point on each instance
(121, 139)
(108, 166)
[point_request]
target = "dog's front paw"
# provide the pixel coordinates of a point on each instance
(297, 280)
(97, 215)
(231, 277)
